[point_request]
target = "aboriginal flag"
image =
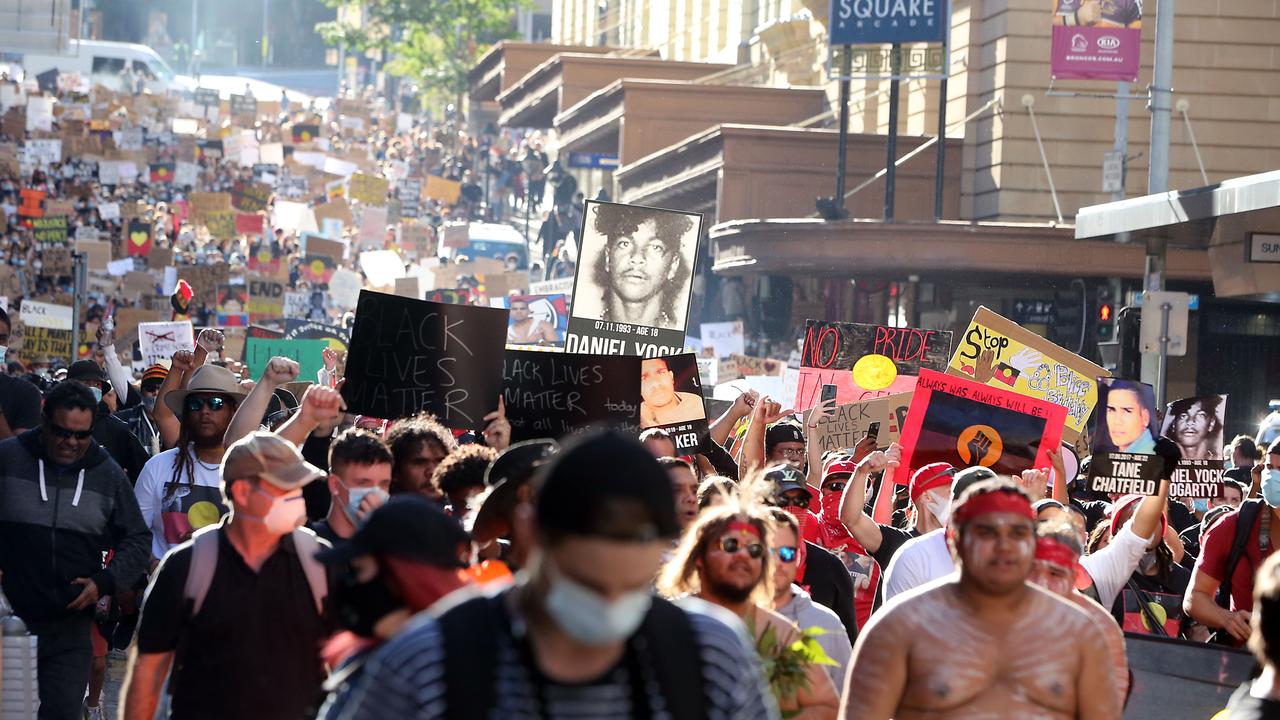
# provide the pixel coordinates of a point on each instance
(305, 133)
(162, 172)
(965, 432)
(318, 269)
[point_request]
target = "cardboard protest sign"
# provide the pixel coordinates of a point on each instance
(203, 203)
(724, 338)
(635, 272)
(1195, 425)
(337, 338)
(418, 241)
(535, 319)
(244, 106)
(49, 230)
(1028, 364)
(445, 191)
(250, 197)
(204, 280)
(57, 262)
(373, 228)
(160, 340)
(249, 223)
(266, 298)
(42, 344)
(233, 303)
(413, 355)
(965, 423)
(295, 305)
(316, 246)
(221, 224)
(455, 235)
(671, 398)
(368, 189)
(159, 258)
(747, 366)
(847, 425)
(407, 287)
(1124, 444)
(551, 395)
(307, 353)
(865, 361)
(334, 209)
(45, 315)
(97, 253)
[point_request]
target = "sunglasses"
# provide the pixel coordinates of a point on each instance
(800, 501)
(731, 545)
(835, 486)
(787, 553)
(66, 434)
(214, 403)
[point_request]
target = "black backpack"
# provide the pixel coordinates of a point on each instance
(668, 652)
(1246, 516)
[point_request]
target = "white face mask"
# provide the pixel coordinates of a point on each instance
(941, 509)
(287, 513)
(590, 619)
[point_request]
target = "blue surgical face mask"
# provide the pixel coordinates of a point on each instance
(97, 394)
(356, 495)
(1271, 487)
(1201, 505)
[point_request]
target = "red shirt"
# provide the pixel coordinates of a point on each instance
(1215, 548)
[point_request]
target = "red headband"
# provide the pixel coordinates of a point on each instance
(992, 502)
(1054, 552)
(742, 527)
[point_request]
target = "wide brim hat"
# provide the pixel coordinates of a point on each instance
(208, 380)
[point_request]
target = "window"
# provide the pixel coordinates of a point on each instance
(107, 65)
(142, 67)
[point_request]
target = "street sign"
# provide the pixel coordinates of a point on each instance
(594, 161)
(1153, 308)
(875, 22)
(1113, 171)
(1264, 248)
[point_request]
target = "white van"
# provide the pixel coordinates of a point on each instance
(102, 62)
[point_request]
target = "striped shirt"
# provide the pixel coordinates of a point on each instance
(405, 679)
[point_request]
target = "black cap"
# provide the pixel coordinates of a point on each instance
(86, 370)
(786, 478)
(407, 526)
(1239, 474)
(967, 477)
(781, 432)
(606, 485)
(504, 476)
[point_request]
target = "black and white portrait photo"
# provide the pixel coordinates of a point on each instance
(1195, 424)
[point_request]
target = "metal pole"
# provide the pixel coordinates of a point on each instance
(842, 148)
(1161, 102)
(939, 179)
(265, 10)
(77, 300)
(891, 146)
(1163, 372)
(195, 21)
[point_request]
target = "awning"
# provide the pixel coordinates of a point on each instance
(1194, 210)
(508, 61)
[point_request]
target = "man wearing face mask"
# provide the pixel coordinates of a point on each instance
(404, 558)
(582, 629)
(239, 611)
(359, 482)
(19, 399)
(141, 417)
(108, 430)
(1231, 553)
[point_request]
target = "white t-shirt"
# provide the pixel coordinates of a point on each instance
(1111, 566)
(172, 511)
(920, 560)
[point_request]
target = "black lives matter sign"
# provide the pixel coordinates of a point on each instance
(407, 356)
(551, 395)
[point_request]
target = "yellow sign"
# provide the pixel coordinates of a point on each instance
(1003, 354)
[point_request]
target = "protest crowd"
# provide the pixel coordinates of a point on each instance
(281, 432)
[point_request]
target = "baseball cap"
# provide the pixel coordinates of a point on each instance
(606, 485)
(270, 457)
(786, 478)
(781, 432)
(969, 476)
(841, 467)
(513, 468)
(933, 475)
(406, 526)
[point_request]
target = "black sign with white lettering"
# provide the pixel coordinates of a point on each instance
(550, 395)
(407, 356)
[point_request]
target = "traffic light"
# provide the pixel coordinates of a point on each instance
(1128, 336)
(1105, 317)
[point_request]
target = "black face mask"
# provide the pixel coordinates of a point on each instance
(361, 605)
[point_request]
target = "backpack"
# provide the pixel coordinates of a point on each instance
(204, 560)
(1245, 517)
(665, 638)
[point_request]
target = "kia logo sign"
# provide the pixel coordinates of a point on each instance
(1108, 42)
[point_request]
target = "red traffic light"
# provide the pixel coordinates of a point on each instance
(1104, 312)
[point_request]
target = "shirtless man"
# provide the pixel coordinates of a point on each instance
(1058, 551)
(661, 403)
(524, 329)
(973, 645)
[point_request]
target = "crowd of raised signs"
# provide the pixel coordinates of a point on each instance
(265, 306)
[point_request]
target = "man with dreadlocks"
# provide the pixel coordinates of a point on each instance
(179, 489)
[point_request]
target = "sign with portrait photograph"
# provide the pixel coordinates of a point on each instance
(635, 274)
(1195, 425)
(1124, 443)
(535, 320)
(671, 399)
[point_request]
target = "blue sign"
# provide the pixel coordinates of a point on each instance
(595, 161)
(876, 22)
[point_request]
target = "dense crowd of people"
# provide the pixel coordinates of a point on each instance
(262, 553)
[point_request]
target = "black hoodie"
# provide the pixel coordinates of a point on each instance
(57, 525)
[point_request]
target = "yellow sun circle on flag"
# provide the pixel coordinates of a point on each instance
(203, 514)
(1158, 612)
(317, 267)
(305, 136)
(874, 372)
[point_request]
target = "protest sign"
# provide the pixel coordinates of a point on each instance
(373, 228)
(551, 395)
(535, 319)
(204, 280)
(336, 337)
(57, 262)
(266, 298)
(64, 208)
(304, 133)
(635, 271)
(724, 338)
(1195, 425)
(964, 423)
(450, 296)
(249, 223)
(559, 286)
(1028, 364)
(334, 209)
(445, 191)
(138, 241)
(45, 315)
(1124, 444)
(865, 361)
(455, 235)
(121, 267)
(368, 189)
(244, 106)
(42, 344)
(847, 424)
(747, 366)
(204, 203)
(49, 230)
(410, 196)
(296, 305)
(307, 353)
(160, 340)
(32, 201)
(250, 197)
(97, 253)
(407, 287)
(413, 355)
(221, 224)
(344, 289)
(381, 267)
(233, 303)
(418, 240)
(671, 398)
